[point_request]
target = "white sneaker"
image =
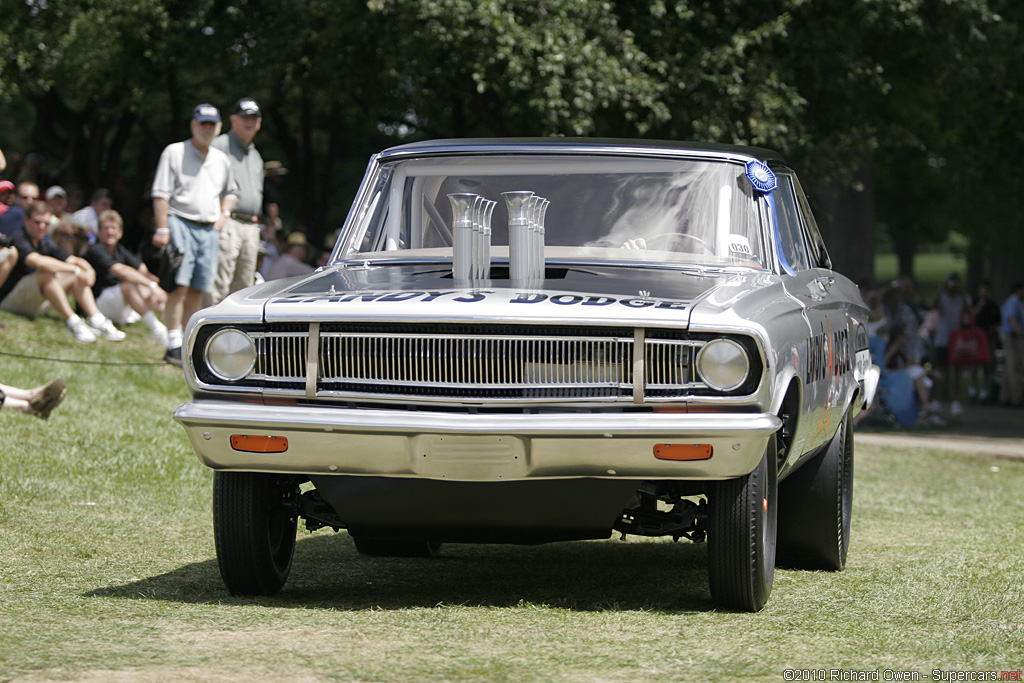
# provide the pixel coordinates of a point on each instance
(159, 335)
(107, 330)
(956, 410)
(83, 335)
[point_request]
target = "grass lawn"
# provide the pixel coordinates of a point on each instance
(930, 269)
(108, 573)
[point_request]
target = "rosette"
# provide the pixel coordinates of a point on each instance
(761, 177)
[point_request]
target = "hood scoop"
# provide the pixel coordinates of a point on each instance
(471, 229)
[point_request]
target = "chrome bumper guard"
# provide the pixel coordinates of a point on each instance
(473, 446)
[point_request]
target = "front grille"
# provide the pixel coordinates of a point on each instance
(486, 363)
(471, 366)
(281, 356)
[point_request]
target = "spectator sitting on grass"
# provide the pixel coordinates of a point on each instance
(293, 261)
(45, 274)
(6, 196)
(89, 216)
(12, 219)
(57, 200)
(8, 258)
(125, 290)
(70, 237)
(39, 401)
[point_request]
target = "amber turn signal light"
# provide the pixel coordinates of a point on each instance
(259, 444)
(683, 451)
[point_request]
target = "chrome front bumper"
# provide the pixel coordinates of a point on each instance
(474, 447)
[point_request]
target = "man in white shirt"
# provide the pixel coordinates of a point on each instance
(194, 191)
(88, 217)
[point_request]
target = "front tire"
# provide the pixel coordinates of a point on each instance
(815, 507)
(742, 527)
(255, 517)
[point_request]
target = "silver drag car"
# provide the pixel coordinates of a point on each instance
(524, 341)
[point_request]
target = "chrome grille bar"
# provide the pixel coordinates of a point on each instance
(480, 366)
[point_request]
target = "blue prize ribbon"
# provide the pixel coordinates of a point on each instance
(761, 177)
(764, 181)
(770, 198)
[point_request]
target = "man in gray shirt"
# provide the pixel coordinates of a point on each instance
(240, 238)
(194, 191)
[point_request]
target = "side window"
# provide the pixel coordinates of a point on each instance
(791, 234)
(818, 252)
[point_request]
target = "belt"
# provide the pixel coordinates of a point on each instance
(245, 217)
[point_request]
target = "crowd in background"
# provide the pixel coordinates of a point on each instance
(938, 354)
(70, 225)
(935, 355)
(62, 247)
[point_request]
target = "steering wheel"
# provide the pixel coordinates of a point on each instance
(674, 240)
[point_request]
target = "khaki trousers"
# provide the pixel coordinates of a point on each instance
(236, 265)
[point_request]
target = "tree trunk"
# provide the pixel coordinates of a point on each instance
(846, 217)
(905, 260)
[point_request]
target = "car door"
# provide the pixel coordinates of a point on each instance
(824, 352)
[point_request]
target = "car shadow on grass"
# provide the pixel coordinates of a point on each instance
(328, 573)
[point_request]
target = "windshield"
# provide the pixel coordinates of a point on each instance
(573, 207)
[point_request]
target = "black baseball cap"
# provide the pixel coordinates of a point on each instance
(247, 106)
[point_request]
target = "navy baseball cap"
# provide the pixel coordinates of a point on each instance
(206, 112)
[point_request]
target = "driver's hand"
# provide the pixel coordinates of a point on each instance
(638, 243)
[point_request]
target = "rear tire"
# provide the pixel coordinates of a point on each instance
(742, 526)
(255, 517)
(815, 507)
(389, 547)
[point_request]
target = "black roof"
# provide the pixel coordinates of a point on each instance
(566, 144)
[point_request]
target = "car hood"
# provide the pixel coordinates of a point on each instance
(425, 292)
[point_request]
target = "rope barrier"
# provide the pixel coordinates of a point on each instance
(80, 361)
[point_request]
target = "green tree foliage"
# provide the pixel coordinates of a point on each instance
(923, 95)
(723, 79)
(947, 127)
(518, 67)
(107, 84)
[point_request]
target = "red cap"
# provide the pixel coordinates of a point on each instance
(6, 186)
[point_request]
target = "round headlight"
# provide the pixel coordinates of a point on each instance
(230, 354)
(723, 364)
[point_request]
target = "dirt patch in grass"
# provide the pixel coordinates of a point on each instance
(996, 431)
(149, 675)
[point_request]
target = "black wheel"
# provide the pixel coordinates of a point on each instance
(815, 507)
(742, 517)
(390, 547)
(254, 522)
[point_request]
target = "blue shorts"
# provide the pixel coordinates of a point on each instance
(199, 245)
